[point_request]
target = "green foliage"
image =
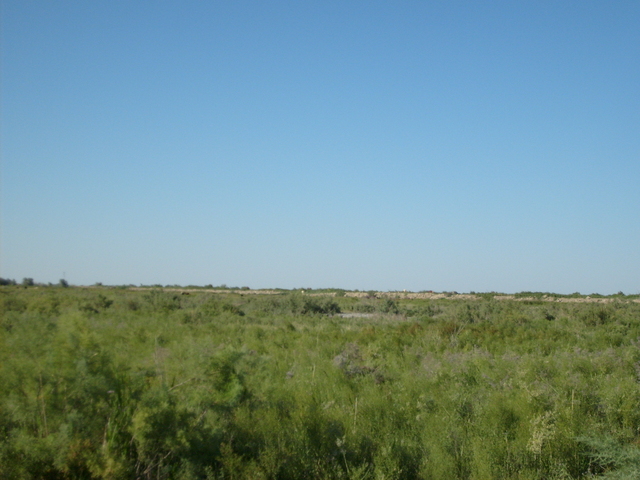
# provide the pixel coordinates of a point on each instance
(611, 459)
(312, 306)
(159, 301)
(389, 306)
(96, 305)
(106, 383)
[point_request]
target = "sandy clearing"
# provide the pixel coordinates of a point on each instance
(398, 295)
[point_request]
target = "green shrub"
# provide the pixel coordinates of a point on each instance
(159, 301)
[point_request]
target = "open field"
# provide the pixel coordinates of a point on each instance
(216, 383)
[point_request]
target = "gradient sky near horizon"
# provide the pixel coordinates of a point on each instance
(435, 145)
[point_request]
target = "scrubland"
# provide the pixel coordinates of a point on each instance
(115, 383)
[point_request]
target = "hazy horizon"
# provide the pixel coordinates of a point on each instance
(243, 288)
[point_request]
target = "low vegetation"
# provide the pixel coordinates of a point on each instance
(117, 383)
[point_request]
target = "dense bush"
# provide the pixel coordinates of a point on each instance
(105, 383)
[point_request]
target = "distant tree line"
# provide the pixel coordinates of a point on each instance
(28, 282)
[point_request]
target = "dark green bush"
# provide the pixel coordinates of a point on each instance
(159, 301)
(311, 306)
(389, 306)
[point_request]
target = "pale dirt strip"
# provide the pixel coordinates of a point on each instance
(398, 295)
(464, 296)
(211, 290)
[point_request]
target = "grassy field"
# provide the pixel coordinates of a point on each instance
(117, 383)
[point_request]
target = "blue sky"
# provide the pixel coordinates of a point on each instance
(469, 146)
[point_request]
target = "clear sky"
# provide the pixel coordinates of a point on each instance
(432, 145)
